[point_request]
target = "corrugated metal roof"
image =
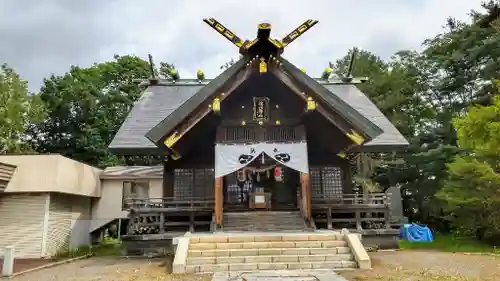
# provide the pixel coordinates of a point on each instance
(133, 172)
(158, 102)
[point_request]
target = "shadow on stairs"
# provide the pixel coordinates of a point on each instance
(264, 221)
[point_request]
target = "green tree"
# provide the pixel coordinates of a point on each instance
(18, 109)
(86, 107)
(472, 192)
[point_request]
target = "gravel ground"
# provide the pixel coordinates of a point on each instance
(387, 266)
(109, 269)
(427, 266)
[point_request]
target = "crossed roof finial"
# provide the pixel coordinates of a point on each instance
(262, 46)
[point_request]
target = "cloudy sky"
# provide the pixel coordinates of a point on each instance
(40, 37)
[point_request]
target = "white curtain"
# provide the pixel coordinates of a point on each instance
(231, 158)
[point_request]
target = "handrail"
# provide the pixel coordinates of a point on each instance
(169, 202)
(381, 199)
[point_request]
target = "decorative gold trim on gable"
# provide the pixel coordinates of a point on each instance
(262, 65)
(175, 155)
(264, 26)
(216, 105)
(311, 104)
(275, 43)
(355, 137)
(172, 139)
(247, 46)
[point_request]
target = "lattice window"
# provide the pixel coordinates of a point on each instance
(183, 183)
(198, 182)
(204, 183)
(315, 181)
(239, 134)
(331, 178)
(326, 182)
(281, 133)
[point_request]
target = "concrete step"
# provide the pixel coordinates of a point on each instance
(271, 266)
(264, 245)
(268, 252)
(269, 259)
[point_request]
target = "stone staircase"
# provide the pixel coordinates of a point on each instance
(268, 251)
(264, 221)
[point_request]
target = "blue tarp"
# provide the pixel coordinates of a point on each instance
(416, 233)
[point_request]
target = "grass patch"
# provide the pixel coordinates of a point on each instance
(450, 243)
(108, 247)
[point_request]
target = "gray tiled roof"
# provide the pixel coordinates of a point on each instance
(154, 105)
(157, 102)
(133, 172)
(359, 101)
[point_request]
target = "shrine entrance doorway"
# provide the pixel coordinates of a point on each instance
(261, 176)
(263, 184)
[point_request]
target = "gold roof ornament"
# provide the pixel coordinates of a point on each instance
(263, 45)
(172, 139)
(311, 104)
(355, 137)
(216, 105)
(200, 74)
(262, 65)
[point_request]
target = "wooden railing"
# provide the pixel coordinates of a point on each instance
(371, 200)
(365, 207)
(167, 204)
(152, 215)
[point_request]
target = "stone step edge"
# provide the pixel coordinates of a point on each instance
(333, 265)
(244, 238)
(271, 258)
(234, 246)
(345, 250)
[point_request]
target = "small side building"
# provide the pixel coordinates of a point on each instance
(119, 183)
(45, 207)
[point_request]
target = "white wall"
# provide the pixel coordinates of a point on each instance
(109, 206)
(52, 173)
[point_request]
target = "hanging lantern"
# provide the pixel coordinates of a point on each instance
(278, 174)
(241, 176)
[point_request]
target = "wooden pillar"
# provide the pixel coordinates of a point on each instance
(168, 181)
(218, 201)
(162, 222)
(306, 195)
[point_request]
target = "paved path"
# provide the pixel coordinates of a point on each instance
(279, 275)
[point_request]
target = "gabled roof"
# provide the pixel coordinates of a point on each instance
(160, 101)
(346, 114)
(158, 132)
(156, 103)
(339, 105)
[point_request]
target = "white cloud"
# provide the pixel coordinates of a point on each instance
(173, 31)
